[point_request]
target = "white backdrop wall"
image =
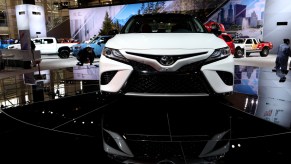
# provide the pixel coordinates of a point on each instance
(277, 11)
(32, 18)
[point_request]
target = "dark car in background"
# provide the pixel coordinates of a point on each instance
(97, 43)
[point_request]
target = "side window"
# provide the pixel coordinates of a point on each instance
(197, 26)
(131, 26)
(49, 41)
(240, 41)
(37, 41)
(249, 41)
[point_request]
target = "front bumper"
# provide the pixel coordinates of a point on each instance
(190, 78)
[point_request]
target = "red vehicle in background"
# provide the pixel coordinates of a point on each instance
(226, 37)
(211, 24)
(246, 46)
(229, 41)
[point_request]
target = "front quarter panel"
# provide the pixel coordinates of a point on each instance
(119, 79)
(212, 76)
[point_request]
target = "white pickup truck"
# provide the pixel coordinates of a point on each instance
(49, 45)
(251, 45)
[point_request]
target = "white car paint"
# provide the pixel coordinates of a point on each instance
(165, 44)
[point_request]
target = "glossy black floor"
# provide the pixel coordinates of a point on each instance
(57, 117)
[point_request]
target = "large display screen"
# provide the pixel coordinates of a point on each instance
(246, 79)
(85, 23)
(240, 17)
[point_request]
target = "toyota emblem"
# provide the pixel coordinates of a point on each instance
(167, 60)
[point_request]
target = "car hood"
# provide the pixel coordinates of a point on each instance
(165, 41)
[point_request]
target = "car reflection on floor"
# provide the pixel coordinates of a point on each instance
(155, 129)
(150, 130)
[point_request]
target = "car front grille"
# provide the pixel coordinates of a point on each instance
(140, 67)
(145, 79)
(153, 151)
(188, 147)
(166, 83)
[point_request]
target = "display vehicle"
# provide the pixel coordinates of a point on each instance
(251, 45)
(97, 43)
(166, 54)
(50, 46)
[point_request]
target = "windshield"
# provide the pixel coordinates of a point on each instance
(94, 40)
(239, 41)
(163, 23)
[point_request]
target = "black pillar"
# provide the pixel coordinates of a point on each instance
(82, 3)
(32, 2)
(38, 92)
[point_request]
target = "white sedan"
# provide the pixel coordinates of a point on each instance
(166, 55)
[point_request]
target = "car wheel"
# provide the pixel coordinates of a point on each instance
(64, 54)
(264, 52)
(239, 53)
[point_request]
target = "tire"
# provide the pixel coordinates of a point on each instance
(239, 53)
(264, 52)
(64, 54)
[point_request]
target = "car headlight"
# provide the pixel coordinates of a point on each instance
(113, 54)
(218, 54)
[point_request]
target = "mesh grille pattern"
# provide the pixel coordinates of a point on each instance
(226, 77)
(140, 67)
(188, 79)
(151, 151)
(106, 77)
(155, 150)
(165, 83)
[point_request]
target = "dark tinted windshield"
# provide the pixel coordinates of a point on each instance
(101, 39)
(163, 23)
(94, 40)
(238, 41)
